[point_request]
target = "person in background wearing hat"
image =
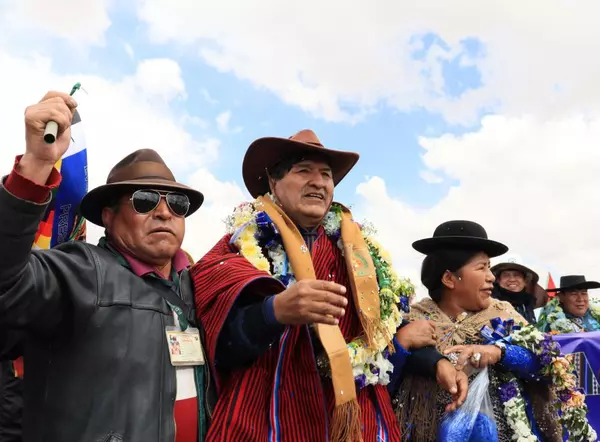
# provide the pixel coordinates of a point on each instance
(571, 311)
(457, 274)
(300, 309)
(519, 286)
(98, 318)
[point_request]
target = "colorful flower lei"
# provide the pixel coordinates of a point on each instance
(554, 316)
(515, 411)
(559, 369)
(253, 231)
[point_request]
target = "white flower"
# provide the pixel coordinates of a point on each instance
(564, 325)
(371, 378)
(385, 367)
(331, 223)
(516, 417)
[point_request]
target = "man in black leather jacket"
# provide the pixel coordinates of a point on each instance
(97, 319)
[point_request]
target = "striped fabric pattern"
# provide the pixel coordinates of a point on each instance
(281, 397)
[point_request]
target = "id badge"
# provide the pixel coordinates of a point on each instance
(185, 348)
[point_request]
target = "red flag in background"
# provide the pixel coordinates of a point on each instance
(550, 285)
(18, 367)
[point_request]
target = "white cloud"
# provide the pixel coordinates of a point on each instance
(206, 95)
(323, 56)
(119, 117)
(223, 120)
(160, 78)
(430, 177)
(129, 50)
(220, 200)
(80, 22)
(529, 174)
(532, 183)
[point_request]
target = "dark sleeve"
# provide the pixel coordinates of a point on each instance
(398, 360)
(11, 403)
(37, 287)
(249, 331)
(423, 361)
(11, 344)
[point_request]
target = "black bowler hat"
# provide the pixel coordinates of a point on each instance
(460, 235)
(575, 282)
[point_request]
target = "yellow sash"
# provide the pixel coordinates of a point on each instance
(346, 422)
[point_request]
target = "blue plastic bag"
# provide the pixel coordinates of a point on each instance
(474, 420)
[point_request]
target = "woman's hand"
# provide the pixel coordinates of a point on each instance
(478, 356)
(454, 382)
(416, 334)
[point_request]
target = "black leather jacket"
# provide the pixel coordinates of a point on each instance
(97, 363)
(11, 403)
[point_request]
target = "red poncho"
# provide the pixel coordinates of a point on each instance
(281, 396)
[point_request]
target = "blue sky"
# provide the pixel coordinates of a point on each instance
(497, 93)
(386, 138)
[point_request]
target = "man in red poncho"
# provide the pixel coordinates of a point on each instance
(302, 309)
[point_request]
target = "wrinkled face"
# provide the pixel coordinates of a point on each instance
(471, 286)
(512, 280)
(305, 193)
(575, 302)
(154, 238)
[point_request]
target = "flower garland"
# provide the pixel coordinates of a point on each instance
(554, 316)
(559, 369)
(515, 411)
(252, 231)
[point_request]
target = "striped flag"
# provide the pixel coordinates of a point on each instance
(61, 221)
(550, 285)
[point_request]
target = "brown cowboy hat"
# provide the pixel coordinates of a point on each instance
(541, 296)
(143, 168)
(531, 276)
(264, 154)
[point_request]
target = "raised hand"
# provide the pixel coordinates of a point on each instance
(311, 302)
(39, 158)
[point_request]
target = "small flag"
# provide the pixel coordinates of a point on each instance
(550, 285)
(62, 221)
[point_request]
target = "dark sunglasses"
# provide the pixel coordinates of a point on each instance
(145, 201)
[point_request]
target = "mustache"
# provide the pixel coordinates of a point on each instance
(322, 193)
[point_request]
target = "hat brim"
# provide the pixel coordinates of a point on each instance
(583, 285)
(264, 153)
(488, 246)
(97, 199)
(530, 274)
(540, 295)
